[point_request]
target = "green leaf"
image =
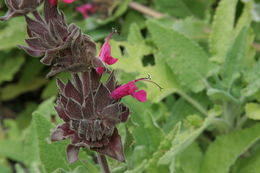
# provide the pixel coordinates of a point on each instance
(234, 59)
(253, 111)
(251, 164)
(225, 150)
(182, 8)
(246, 17)
(181, 109)
(164, 146)
(187, 59)
(192, 28)
(52, 155)
(46, 108)
(222, 29)
(183, 140)
(252, 78)
(184, 162)
(150, 164)
(132, 17)
(148, 135)
(31, 149)
(13, 34)
(9, 65)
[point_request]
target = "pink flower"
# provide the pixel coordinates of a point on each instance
(86, 9)
(105, 55)
(130, 89)
(54, 2)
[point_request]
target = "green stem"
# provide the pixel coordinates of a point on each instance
(241, 122)
(193, 102)
(103, 163)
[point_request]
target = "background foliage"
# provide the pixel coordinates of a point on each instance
(204, 53)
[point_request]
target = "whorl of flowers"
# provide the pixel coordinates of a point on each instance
(63, 46)
(90, 115)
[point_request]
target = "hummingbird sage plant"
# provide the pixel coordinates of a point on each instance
(90, 109)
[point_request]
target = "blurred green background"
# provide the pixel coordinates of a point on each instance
(204, 53)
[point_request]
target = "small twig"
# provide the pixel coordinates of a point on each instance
(146, 10)
(103, 163)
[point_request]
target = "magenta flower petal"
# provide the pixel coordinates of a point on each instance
(129, 89)
(140, 95)
(72, 153)
(105, 53)
(100, 70)
(124, 90)
(68, 1)
(86, 9)
(55, 2)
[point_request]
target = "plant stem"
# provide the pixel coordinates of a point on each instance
(103, 163)
(145, 10)
(193, 102)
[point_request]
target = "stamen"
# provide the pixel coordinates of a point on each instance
(114, 31)
(149, 79)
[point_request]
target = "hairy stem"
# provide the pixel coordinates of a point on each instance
(193, 102)
(103, 163)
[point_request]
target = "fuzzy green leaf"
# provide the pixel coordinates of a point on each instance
(182, 8)
(252, 77)
(187, 59)
(222, 29)
(225, 150)
(251, 164)
(184, 161)
(234, 59)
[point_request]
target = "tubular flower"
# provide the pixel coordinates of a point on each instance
(20, 8)
(90, 116)
(64, 47)
(86, 9)
(130, 89)
(105, 54)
